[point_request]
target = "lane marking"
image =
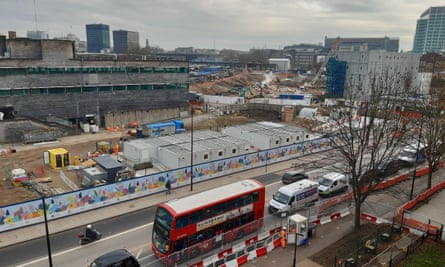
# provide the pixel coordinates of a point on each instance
(83, 246)
(105, 239)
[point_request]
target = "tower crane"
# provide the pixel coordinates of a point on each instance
(331, 52)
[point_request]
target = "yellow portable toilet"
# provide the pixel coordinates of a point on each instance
(59, 158)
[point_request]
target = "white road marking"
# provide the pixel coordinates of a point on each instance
(105, 239)
(81, 247)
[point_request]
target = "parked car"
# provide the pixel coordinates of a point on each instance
(384, 169)
(293, 176)
(388, 167)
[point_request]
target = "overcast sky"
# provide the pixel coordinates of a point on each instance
(220, 24)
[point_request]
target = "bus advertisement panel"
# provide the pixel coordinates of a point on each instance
(198, 223)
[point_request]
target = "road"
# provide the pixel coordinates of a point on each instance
(133, 230)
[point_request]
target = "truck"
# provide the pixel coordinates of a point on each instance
(294, 196)
(332, 183)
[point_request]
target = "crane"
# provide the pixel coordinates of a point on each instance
(323, 65)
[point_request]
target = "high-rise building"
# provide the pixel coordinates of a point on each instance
(98, 37)
(125, 41)
(430, 31)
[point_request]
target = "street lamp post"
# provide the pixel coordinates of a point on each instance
(48, 243)
(191, 153)
(418, 150)
(295, 248)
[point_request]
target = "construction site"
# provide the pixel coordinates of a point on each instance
(27, 165)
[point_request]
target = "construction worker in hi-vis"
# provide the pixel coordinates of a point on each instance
(283, 237)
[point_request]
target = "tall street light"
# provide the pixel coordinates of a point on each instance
(48, 243)
(295, 248)
(191, 153)
(418, 150)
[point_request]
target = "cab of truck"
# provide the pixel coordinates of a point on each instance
(332, 183)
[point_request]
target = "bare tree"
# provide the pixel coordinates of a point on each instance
(433, 134)
(369, 132)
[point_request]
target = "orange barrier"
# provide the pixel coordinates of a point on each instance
(409, 222)
(413, 223)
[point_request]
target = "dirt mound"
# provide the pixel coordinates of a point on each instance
(224, 85)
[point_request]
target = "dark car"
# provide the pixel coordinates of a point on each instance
(382, 170)
(387, 167)
(118, 257)
(293, 176)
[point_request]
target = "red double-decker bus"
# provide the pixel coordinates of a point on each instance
(195, 224)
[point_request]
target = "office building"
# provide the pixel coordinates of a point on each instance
(430, 31)
(363, 44)
(355, 71)
(304, 56)
(98, 37)
(125, 41)
(432, 63)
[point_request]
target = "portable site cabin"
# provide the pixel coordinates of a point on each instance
(178, 155)
(110, 165)
(285, 137)
(299, 134)
(58, 158)
(295, 134)
(174, 156)
(138, 151)
(255, 135)
(235, 146)
(159, 129)
(216, 151)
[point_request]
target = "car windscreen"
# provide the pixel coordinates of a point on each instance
(325, 181)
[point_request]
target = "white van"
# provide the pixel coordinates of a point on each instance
(294, 196)
(411, 153)
(332, 183)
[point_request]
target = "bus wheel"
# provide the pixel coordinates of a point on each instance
(195, 253)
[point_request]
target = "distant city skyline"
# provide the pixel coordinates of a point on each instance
(229, 24)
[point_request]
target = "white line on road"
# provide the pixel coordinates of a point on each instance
(80, 247)
(105, 239)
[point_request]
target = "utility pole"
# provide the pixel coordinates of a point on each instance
(415, 162)
(48, 243)
(191, 152)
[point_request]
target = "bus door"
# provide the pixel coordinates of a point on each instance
(180, 247)
(208, 242)
(229, 233)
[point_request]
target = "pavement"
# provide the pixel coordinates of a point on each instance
(326, 234)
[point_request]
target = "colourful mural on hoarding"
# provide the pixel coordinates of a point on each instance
(31, 212)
